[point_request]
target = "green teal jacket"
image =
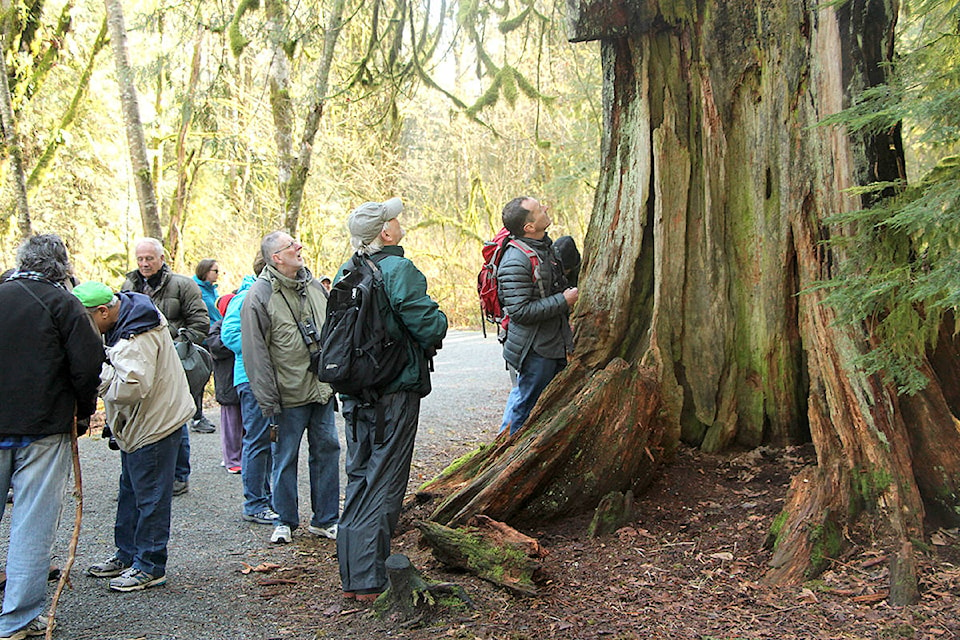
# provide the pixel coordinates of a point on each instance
(421, 318)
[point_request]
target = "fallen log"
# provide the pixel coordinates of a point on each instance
(490, 550)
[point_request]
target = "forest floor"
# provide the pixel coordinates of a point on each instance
(689, 566)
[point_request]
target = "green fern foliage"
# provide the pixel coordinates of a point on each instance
(900, 273)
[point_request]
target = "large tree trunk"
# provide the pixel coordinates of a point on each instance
(705, 241)
(146, 197)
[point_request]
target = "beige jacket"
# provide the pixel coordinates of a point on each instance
(144, 389)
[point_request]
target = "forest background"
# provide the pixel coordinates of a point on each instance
(455, 108)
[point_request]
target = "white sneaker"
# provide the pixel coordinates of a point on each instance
(324, 532)
(281, 534)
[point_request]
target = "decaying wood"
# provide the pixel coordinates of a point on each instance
(564, 465)
(490, 550)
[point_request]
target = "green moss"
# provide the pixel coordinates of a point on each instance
(773, 536)
(455, 466)
(826, 541)
(870, 483)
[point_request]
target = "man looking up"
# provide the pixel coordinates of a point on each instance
(50, 359)
(178, 298)
(538, 303)
(378, 459)
(279, 331)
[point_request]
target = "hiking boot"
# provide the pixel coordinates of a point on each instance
(36, 627)
(267, 516)
(324, 532)
(202, 425)
(135, 580)
(108, 569)
(281, 534)
(180, 487)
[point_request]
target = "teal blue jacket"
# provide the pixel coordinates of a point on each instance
(230, 330)
(208, 291)
(425, 323)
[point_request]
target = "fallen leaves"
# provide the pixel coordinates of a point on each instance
(263, 567)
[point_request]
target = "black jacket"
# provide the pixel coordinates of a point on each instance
(537, 322)
(50, 359)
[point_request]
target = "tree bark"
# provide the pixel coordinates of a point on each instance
(146, 197)
(185, 158)
(13, 148)
(704, 246)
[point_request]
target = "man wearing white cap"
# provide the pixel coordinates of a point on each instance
(378, 467)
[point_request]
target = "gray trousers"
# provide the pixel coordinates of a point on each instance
(377, 475)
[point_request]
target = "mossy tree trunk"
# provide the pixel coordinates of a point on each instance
(293, 168)
(696, 320)
(146, 197)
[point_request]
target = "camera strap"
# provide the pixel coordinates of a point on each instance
(297, 318)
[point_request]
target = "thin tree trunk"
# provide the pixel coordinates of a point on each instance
(12, 141)
(301, 165)
(131, 119)
(281, 104)
(178, 208)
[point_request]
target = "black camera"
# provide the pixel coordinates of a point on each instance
(111, 440)
(309, 332)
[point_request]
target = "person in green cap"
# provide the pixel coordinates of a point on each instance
(147, 400)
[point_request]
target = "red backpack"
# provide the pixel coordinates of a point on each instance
(490, 307)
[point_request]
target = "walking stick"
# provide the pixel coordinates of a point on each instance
(72, 555)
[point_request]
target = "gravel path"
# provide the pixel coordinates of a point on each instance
(206, 597)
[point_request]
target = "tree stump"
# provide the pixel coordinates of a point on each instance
(409, 597)
(614, 511)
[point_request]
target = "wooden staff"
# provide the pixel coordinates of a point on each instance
(72, 555)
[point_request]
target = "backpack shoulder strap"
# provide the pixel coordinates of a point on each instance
(534, 262)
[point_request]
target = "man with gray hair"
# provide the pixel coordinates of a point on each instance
(50, 359)
(382, 432)
(179, 299)
(280, 321)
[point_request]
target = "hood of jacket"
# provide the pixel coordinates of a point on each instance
(137, 315)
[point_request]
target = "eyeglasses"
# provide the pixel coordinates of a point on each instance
(215, 270)
(292, 242)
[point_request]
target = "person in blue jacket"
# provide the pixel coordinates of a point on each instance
(207, 273)
(256, 460)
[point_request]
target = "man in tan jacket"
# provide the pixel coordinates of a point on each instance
(147, 401)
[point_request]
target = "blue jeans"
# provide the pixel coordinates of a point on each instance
(143, 505)
(256, 459)
(535, 374)
(182, 472)
(323, 462)
(38, 473)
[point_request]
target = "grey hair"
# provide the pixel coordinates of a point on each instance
(153, 242)
(46, 254)
(114, 301)
(368, 248)
(269, 246)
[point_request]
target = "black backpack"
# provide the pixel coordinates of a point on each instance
(358, 358)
